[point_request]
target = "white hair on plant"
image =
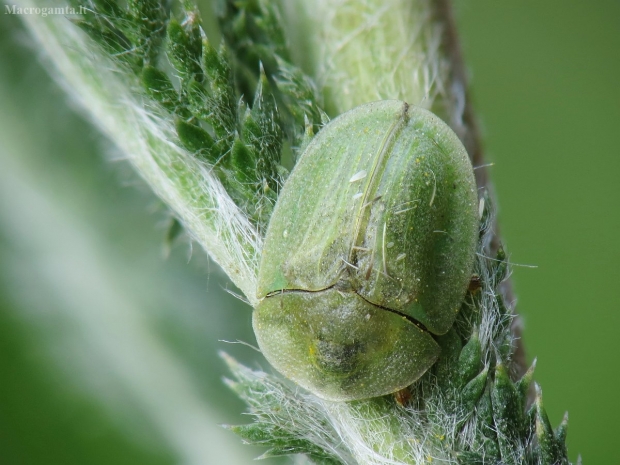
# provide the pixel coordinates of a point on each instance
(202, 204)
(145, 135)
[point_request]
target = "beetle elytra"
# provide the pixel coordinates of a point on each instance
(368, 254)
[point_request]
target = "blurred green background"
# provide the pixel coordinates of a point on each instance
(108, 350)
(546, 85)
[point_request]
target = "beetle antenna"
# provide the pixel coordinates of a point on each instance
(383, 248)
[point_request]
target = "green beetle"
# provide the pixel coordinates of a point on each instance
(368, 254)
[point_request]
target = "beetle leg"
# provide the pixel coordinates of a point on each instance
(383, 250)
(404, 210)
(349, 264)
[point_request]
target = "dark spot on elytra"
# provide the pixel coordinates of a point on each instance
(337, 357)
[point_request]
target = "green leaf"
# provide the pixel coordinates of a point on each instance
(523, 385)
(149, 18)
(185, 48)
(508, 414)
(551, 448)
(471, 393)
(196, 140)
(160, 88)
(470, 359)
